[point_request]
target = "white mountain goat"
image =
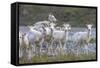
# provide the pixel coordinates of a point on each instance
(22, 47)
(60, 36)
(46, 25)
(20, 44)
(33, 39)
(52, 18)
(66, 28)
(80, 38)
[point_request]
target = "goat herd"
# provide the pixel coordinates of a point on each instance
(45, 38)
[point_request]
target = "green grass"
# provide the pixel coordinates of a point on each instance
(93, 40)
(45, 58)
